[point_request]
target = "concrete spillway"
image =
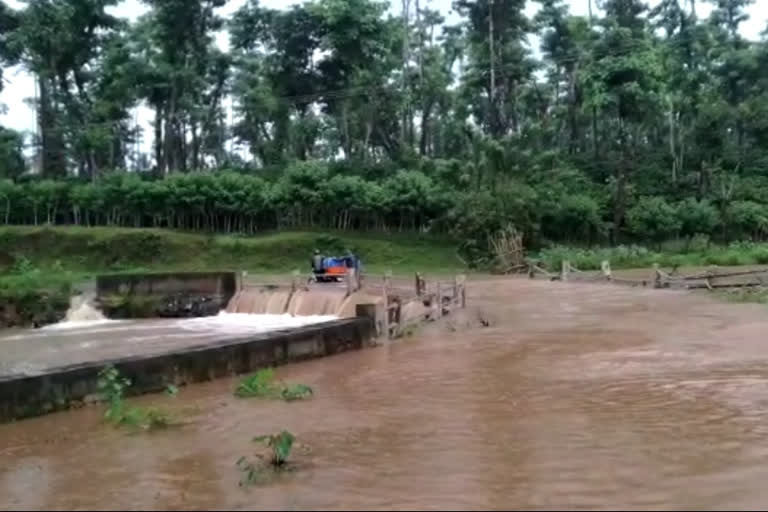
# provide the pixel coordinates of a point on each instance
(48, 369)
(302, 302)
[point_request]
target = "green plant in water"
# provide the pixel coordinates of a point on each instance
(293, 392)
(257, 385)
(112, 387)
(261, 385)
(280, 446)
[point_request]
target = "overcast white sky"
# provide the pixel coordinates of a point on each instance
(19, 85)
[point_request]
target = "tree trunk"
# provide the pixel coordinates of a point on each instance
(159, 154)
(425, 114)
(52, 162)
(620, 176)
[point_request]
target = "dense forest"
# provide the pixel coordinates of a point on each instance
(630, 124)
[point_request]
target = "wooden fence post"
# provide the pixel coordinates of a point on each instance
(350, 281)
(656, 278)
(565, 267)
(462, 280)
(241, 280)
(605, 266)
(439, 298)
(385, 292)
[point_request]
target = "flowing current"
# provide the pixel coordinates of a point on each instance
(575, 396)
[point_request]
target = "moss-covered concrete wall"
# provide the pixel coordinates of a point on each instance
(177, 294)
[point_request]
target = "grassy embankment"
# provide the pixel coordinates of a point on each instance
(39, 266)
(672, 255)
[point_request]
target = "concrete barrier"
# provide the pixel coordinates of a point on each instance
(176, 294)
(60, 388)
(215, 283)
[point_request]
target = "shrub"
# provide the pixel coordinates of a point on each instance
(652, 218)
(261, 385)
(697, 217)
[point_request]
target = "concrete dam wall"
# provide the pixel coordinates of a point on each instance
(165, 294)
(60, 387)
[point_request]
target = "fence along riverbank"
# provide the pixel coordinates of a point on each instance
(713, 278)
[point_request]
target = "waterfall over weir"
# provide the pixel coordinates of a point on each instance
(314, 302)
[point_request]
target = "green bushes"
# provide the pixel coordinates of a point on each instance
(262, 385)
(738, 253)
(318, 195)
(697, 217)
(652, 218)
(112, 387)
(305, 195)
(30, 297)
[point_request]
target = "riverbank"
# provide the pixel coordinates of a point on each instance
(88, 250)
(39, 266)
(672, 254)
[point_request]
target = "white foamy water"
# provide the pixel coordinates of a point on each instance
(246, 323)
(81, 314)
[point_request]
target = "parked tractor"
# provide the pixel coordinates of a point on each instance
(326, 269)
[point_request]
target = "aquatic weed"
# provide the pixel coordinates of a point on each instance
(112, 387)
(261, 385)
(280, 446)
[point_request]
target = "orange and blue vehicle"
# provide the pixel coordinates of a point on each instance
(331, 268)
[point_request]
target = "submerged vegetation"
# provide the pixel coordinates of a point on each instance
(112, 387)
(279, 446)
(262, 385)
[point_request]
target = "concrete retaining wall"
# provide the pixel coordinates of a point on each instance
(176, 294)
(213, 283)
(61, 388)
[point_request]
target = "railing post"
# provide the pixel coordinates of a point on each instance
(385, 291)
(605, 266)
(349, 278)
(656, 279)
(439, 301)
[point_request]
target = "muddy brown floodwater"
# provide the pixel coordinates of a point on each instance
(575, 396)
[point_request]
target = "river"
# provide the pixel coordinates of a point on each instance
(574, 396)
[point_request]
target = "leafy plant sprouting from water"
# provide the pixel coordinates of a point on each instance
(291, 392)
(257, 385)
(280, 447)
(261, 385)
(112, 387)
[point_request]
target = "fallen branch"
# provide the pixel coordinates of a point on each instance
(710, 286)
(714, 275)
